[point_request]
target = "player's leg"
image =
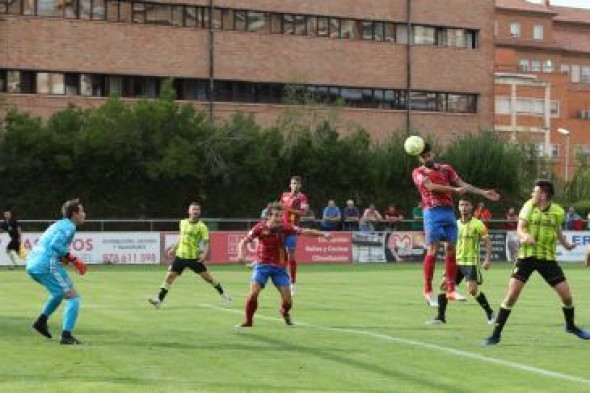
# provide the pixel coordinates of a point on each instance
(56, 296)
(70, 318)
(554, 276)
(448, 222)
(441, 317)
(474, 280)
(208, 277)
(260, 275)
(290, 245)
(12, 253)
(520, 275)
(174, 270)
(428, 272)
(280, 279)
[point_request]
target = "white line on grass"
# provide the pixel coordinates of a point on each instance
(413, 343)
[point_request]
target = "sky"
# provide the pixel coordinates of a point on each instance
(572, 3)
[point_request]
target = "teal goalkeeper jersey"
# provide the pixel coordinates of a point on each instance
(543, 226)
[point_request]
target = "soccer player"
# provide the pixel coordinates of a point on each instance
(471, 232)
(435, 184)
(539, 228)
(45, 265)
(271, 235)
(295, 206)
(191, 251)
(12, 227)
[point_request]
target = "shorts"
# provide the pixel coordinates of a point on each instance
(13, 245)
(469, 273)
(278, 274)
(179, 264)
(549, 270)
(291, 242)
(57, 283)
(440, 224)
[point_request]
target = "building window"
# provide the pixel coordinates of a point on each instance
(585, 75)
(367, 28)
(515, 30)
(323, 26)
(536, 65)
(49, 8)
(538, 32)
(11, 7)
(19, 82)
(401, 33)
(349, 29)
(564, 68)
(158, 14)
(547, 66)
(29, 7)
(461, 103)
(424, 35)
(575, 75)
(334, 28)
(92, 85)
(502, 106)
(259, 22)
(523, 65)
(539, 150)
(50, 83)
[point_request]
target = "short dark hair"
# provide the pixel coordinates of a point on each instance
(70, 207)
(465, 199)
(275, 207)
(546, 186)
(427, 148)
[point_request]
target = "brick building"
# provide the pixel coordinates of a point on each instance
(251, 55)
(542, 78)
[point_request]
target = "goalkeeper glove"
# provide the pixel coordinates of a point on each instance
(77, 262)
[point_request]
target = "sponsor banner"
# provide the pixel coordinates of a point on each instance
(582, 241)
(224, 248)
(102, 247)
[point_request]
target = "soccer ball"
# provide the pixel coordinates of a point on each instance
(414, 145)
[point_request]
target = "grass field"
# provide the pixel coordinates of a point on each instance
(359, 328)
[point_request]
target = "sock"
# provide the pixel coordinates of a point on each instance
(251, 306)
(501, 319)
(66, 334)
(285, 307)
(13, 257)
(51, 305)
(428, 269)
(451, 272)
(568, 313)
(163, 291)
(292, 270)
(218, 287)
(442, 306)
(42, 319)
(483, 302)
(71, 313)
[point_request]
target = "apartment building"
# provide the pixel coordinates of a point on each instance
(384, 65)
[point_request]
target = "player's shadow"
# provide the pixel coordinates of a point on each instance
(281, 345)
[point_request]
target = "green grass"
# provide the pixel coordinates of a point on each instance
(361, 328)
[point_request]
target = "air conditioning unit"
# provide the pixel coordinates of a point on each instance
(585, 114)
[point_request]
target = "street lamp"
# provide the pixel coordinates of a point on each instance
(566, 134)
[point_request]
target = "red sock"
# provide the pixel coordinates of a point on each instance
(451, 272)
(285, 307)
(429, 261)
(251, 306)
(292, 270)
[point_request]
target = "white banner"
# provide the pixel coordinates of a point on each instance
(581, 239)
(102, 247)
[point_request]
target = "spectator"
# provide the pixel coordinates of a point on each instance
(484, 214)
(370, 217)
(511, 220)
(308, 220)
(392, 216)
(331, 217)
(351, 216)
(264, 212)
(570, 219)
(418, 217)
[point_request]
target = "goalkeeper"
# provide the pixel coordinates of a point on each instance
(45, 265)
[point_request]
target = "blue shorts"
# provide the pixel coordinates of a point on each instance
(57, 283)
(440, 224)
(278, 274)
(291, 242)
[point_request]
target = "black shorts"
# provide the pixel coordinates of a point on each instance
(549, 270)
(179, 264)
(469, 273)
(13, 245)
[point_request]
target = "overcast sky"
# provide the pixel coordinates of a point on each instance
(572, 3)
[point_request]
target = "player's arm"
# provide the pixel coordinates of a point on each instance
(171, 251)
(242, 248)
(563, 240)
(439, 187)
(488, 247)
(523, 235)
(489, 194)
(316, 233)
(204, 251)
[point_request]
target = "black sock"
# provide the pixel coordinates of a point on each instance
(162, 294)
(501, 319)
(219, 288)
(483, 302)
(442, 306)
(42, 319)
(568, 313)
(66, 333)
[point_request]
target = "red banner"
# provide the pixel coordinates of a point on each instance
(224, 248)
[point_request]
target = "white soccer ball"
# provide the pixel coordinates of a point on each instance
(414, 145)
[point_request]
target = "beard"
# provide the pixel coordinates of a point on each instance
(429, 164)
